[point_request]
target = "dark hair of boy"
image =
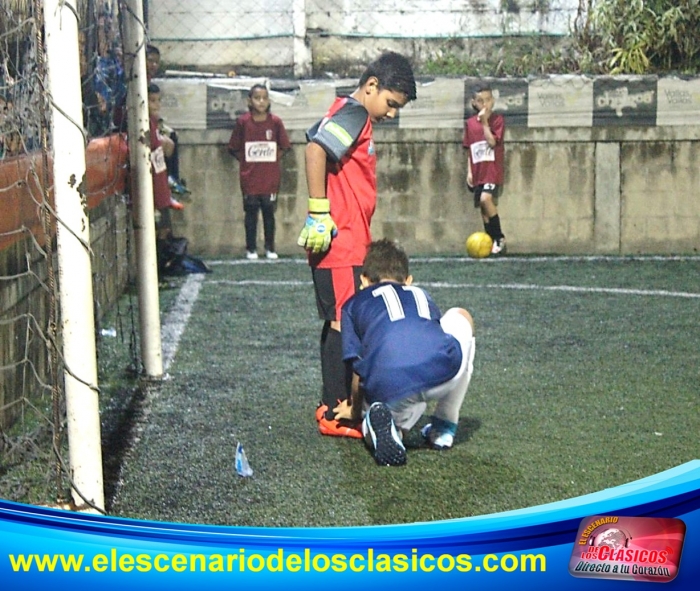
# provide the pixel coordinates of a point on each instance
(385, 260)
(256, 87)
(483, 87)
(153, 88)
(252, 91)
(394, 72)
(152, 50)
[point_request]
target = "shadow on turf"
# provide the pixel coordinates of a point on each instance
(465, 431)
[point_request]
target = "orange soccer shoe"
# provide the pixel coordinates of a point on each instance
(321, 411)
(336, 429)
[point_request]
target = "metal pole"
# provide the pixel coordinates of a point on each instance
(74, 264)
(134, 43)
(302, 53)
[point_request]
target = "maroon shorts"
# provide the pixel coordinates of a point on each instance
(333, 288)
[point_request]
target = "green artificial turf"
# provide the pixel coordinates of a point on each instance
(575, 389)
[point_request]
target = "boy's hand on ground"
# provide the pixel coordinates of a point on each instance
(319, 228)
(343, 410)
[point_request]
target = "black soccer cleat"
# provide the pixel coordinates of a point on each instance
(379, 428)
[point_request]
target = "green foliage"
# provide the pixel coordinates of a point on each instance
(642, 37)
(607, 37)
(451, 65)
(523, 56)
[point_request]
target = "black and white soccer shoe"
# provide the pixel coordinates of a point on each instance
(381, 435)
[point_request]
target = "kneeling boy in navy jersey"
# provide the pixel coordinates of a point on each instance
(404, 354)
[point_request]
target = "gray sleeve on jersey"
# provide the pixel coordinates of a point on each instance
(339, 133)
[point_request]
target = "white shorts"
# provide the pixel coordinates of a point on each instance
(407, 411)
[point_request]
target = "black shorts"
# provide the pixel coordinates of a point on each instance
(485, 188)
(333, 288)
(253, 203)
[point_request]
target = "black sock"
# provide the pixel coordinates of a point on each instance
(493, 228)
(335, 373)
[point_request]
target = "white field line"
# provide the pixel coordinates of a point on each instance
(494, 260)
(171, 330)
(515, 286)
(571, 288)
(175, 322)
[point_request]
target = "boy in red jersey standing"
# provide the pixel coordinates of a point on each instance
(342, 184)
(258, 141)
(483, 140)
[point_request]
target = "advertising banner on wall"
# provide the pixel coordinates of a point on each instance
(624, 101)
(678, 102)
(561, 101)
(550, 101)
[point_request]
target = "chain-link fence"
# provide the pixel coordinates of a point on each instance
(32, 363)
(310, 37)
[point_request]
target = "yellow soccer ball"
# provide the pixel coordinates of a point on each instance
(479, 245)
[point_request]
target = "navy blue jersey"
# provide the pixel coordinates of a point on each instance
(392, 334)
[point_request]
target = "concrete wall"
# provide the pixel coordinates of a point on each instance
(613, 190)
(305, 36)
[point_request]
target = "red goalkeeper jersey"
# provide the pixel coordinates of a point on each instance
(345, 133)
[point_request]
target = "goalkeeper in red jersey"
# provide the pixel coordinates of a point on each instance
(341, 179)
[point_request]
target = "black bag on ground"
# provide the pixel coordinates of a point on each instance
(174, 260)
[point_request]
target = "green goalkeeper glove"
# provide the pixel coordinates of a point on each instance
(319, 228)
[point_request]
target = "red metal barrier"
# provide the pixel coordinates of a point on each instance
(21, 180)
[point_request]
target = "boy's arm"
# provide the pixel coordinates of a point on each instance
(488, 134)
(315, 170)
(466, 144)
(329, 139)
(283, 142)
(168, 145)
(484, 117)
(470, 177)
(351, 409)
(319, 227)
(358, 398)
(235, 143)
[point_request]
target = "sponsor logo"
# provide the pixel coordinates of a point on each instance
(503, 103)
(678, 97)
(551, 99)
(621, 98)
(158, 160)
(482, 152)
(261, 152)
(628, 548)
(229, 103)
